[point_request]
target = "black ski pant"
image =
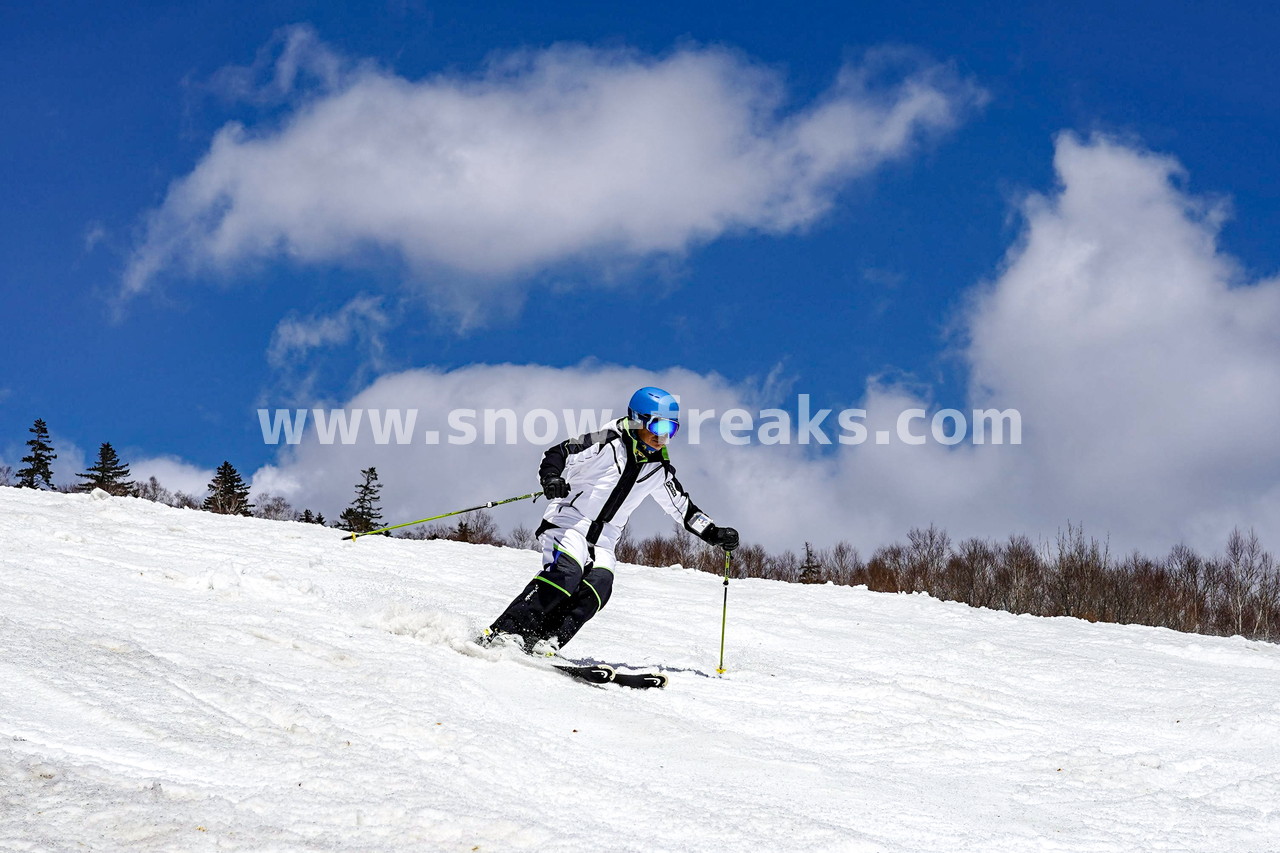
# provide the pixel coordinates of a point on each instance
(558, 602)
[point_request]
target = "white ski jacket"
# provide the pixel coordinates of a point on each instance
(609, 475)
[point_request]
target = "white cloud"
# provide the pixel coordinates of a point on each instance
(293, 59)
(779, 494)
(362, 318)
(173, 473)
(72, 461)
(1147, 373)
(423, 479)
(1147, 369)
(569, 154)
(95, 233)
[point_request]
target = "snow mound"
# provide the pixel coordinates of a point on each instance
(175, 680)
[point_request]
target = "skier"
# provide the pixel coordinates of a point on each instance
(593, 483)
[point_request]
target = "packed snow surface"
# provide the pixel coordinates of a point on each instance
(175, 680)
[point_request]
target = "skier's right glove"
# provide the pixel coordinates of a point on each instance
(555, 487)
(721, 537)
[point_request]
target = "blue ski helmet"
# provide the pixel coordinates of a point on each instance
(656, 410)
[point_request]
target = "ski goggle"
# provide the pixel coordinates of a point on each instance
(661, 427)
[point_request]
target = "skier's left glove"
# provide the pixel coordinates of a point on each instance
(721, 537)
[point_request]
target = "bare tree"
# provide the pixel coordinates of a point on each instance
(1264, 590)
(970, 573)
(783, 567)
(626, 550)
(1194, 578)
(274, 507)
(478, 528)
(748, 561)
(182, 500)
(522, 537)
(657, 550)
(708, 558)
(926, 558)
(1019, 572)
(1245, 569)
(888, 569)
(1076, 583)
(151, 490)
(1268, 601)
(682, 542)
(842, 562)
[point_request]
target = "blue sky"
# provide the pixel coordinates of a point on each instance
(108, 108)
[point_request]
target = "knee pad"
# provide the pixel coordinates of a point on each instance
(600, 582)
(563, 572)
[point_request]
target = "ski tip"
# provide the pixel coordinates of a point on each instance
(594, 674)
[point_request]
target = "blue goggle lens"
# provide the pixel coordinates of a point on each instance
(664, 427)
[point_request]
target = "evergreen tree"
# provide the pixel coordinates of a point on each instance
(811, 570)
(228, 494)
(108, 473)
(309, 517)
(38, 469)
(365, 513)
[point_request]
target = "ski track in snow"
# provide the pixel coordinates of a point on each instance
(174, 680)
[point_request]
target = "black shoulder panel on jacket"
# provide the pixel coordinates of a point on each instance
(557, 455)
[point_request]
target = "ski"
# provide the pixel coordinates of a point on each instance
(597, 674)
(604, 674)
(640, 680)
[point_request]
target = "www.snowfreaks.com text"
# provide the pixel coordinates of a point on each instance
(382, 426)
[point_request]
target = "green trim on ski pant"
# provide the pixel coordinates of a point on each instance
(599, 603)
(556, 585)
(567, 554)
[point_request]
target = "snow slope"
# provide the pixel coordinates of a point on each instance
(174, 680)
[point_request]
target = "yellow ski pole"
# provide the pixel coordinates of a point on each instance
(353, 536)
(724, 615)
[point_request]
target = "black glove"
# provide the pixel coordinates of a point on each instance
(555, 487)
(722, 537)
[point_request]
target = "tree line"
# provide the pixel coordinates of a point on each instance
(1236, 592)
(226, 494)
